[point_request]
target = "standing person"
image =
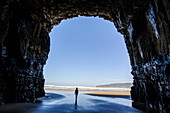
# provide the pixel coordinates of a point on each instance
(76, 94)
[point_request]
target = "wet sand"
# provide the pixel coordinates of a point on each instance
(103, 93)
(115, 95)
(63, 102)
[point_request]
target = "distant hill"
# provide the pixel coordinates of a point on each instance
(117, 85)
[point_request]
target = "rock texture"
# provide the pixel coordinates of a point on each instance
(24, 44)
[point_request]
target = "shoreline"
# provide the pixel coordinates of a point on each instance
(82, 88)
(115, 95)
(120, 94)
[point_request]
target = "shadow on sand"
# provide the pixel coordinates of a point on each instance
(111, 107)
(50, 97)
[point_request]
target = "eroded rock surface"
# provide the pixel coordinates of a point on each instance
(24, 39)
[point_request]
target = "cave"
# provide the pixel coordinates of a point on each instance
(25, 26)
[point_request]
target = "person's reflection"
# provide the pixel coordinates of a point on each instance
(76, 95)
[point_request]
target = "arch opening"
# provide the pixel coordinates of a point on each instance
(87, 51)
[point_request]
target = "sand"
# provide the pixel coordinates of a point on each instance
(100, 93)
(60, 102)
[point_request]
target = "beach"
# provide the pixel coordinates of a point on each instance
(63, 101)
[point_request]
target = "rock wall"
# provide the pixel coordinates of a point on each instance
(24, 51)
(24, 39)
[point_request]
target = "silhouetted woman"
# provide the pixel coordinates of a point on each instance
(76, 94)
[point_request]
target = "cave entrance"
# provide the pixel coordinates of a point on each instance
(87, 51)
(25, 25)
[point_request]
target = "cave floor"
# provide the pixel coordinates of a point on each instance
(64, 103)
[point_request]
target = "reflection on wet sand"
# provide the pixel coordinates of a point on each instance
(64, 102)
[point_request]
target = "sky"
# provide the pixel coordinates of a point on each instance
(87, 51)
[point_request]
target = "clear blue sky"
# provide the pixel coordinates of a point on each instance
(87, 51)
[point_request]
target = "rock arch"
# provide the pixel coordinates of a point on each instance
(25, 25)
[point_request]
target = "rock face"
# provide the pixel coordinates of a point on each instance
(24, 40)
